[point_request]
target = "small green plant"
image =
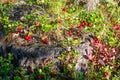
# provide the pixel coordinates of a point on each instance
(6, 66)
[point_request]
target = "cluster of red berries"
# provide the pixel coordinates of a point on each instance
(84, 23)
(81, 25)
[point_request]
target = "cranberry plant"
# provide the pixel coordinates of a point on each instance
(66, 21)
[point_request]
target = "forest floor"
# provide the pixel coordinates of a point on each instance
(59, 28)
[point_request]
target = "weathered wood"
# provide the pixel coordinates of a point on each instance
(27, 55)
(88, 5)
(91, 5)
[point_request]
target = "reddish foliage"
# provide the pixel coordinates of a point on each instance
(104, 55)
(90, 56)
(106, 75)
(47, 60)
(72, 26)
(116, 27)
(54, 69)
(5, 1)
(96, 40)
(42, 65)
(59, 21)
(117, 35)
(39, 77)
(31, 70)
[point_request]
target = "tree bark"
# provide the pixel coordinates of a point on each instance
(91, 5)
(27, 55)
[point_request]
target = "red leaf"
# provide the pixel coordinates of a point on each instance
(31, 70)
(39, 76)
(116, 27)
(59, 21)
(104, 48)
(106, 75)
(47, 60)
(96, 40)
(90, 56)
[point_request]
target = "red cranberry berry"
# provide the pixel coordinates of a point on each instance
(28, 37)
(45, 40)
(80, 26)
(70, 33)
(89, 24)
(64, 9)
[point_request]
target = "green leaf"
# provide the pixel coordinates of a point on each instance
(69, 66)
(1, 59)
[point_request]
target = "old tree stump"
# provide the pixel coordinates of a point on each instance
(25, 53)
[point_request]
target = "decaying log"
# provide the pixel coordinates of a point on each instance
(25, 55)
